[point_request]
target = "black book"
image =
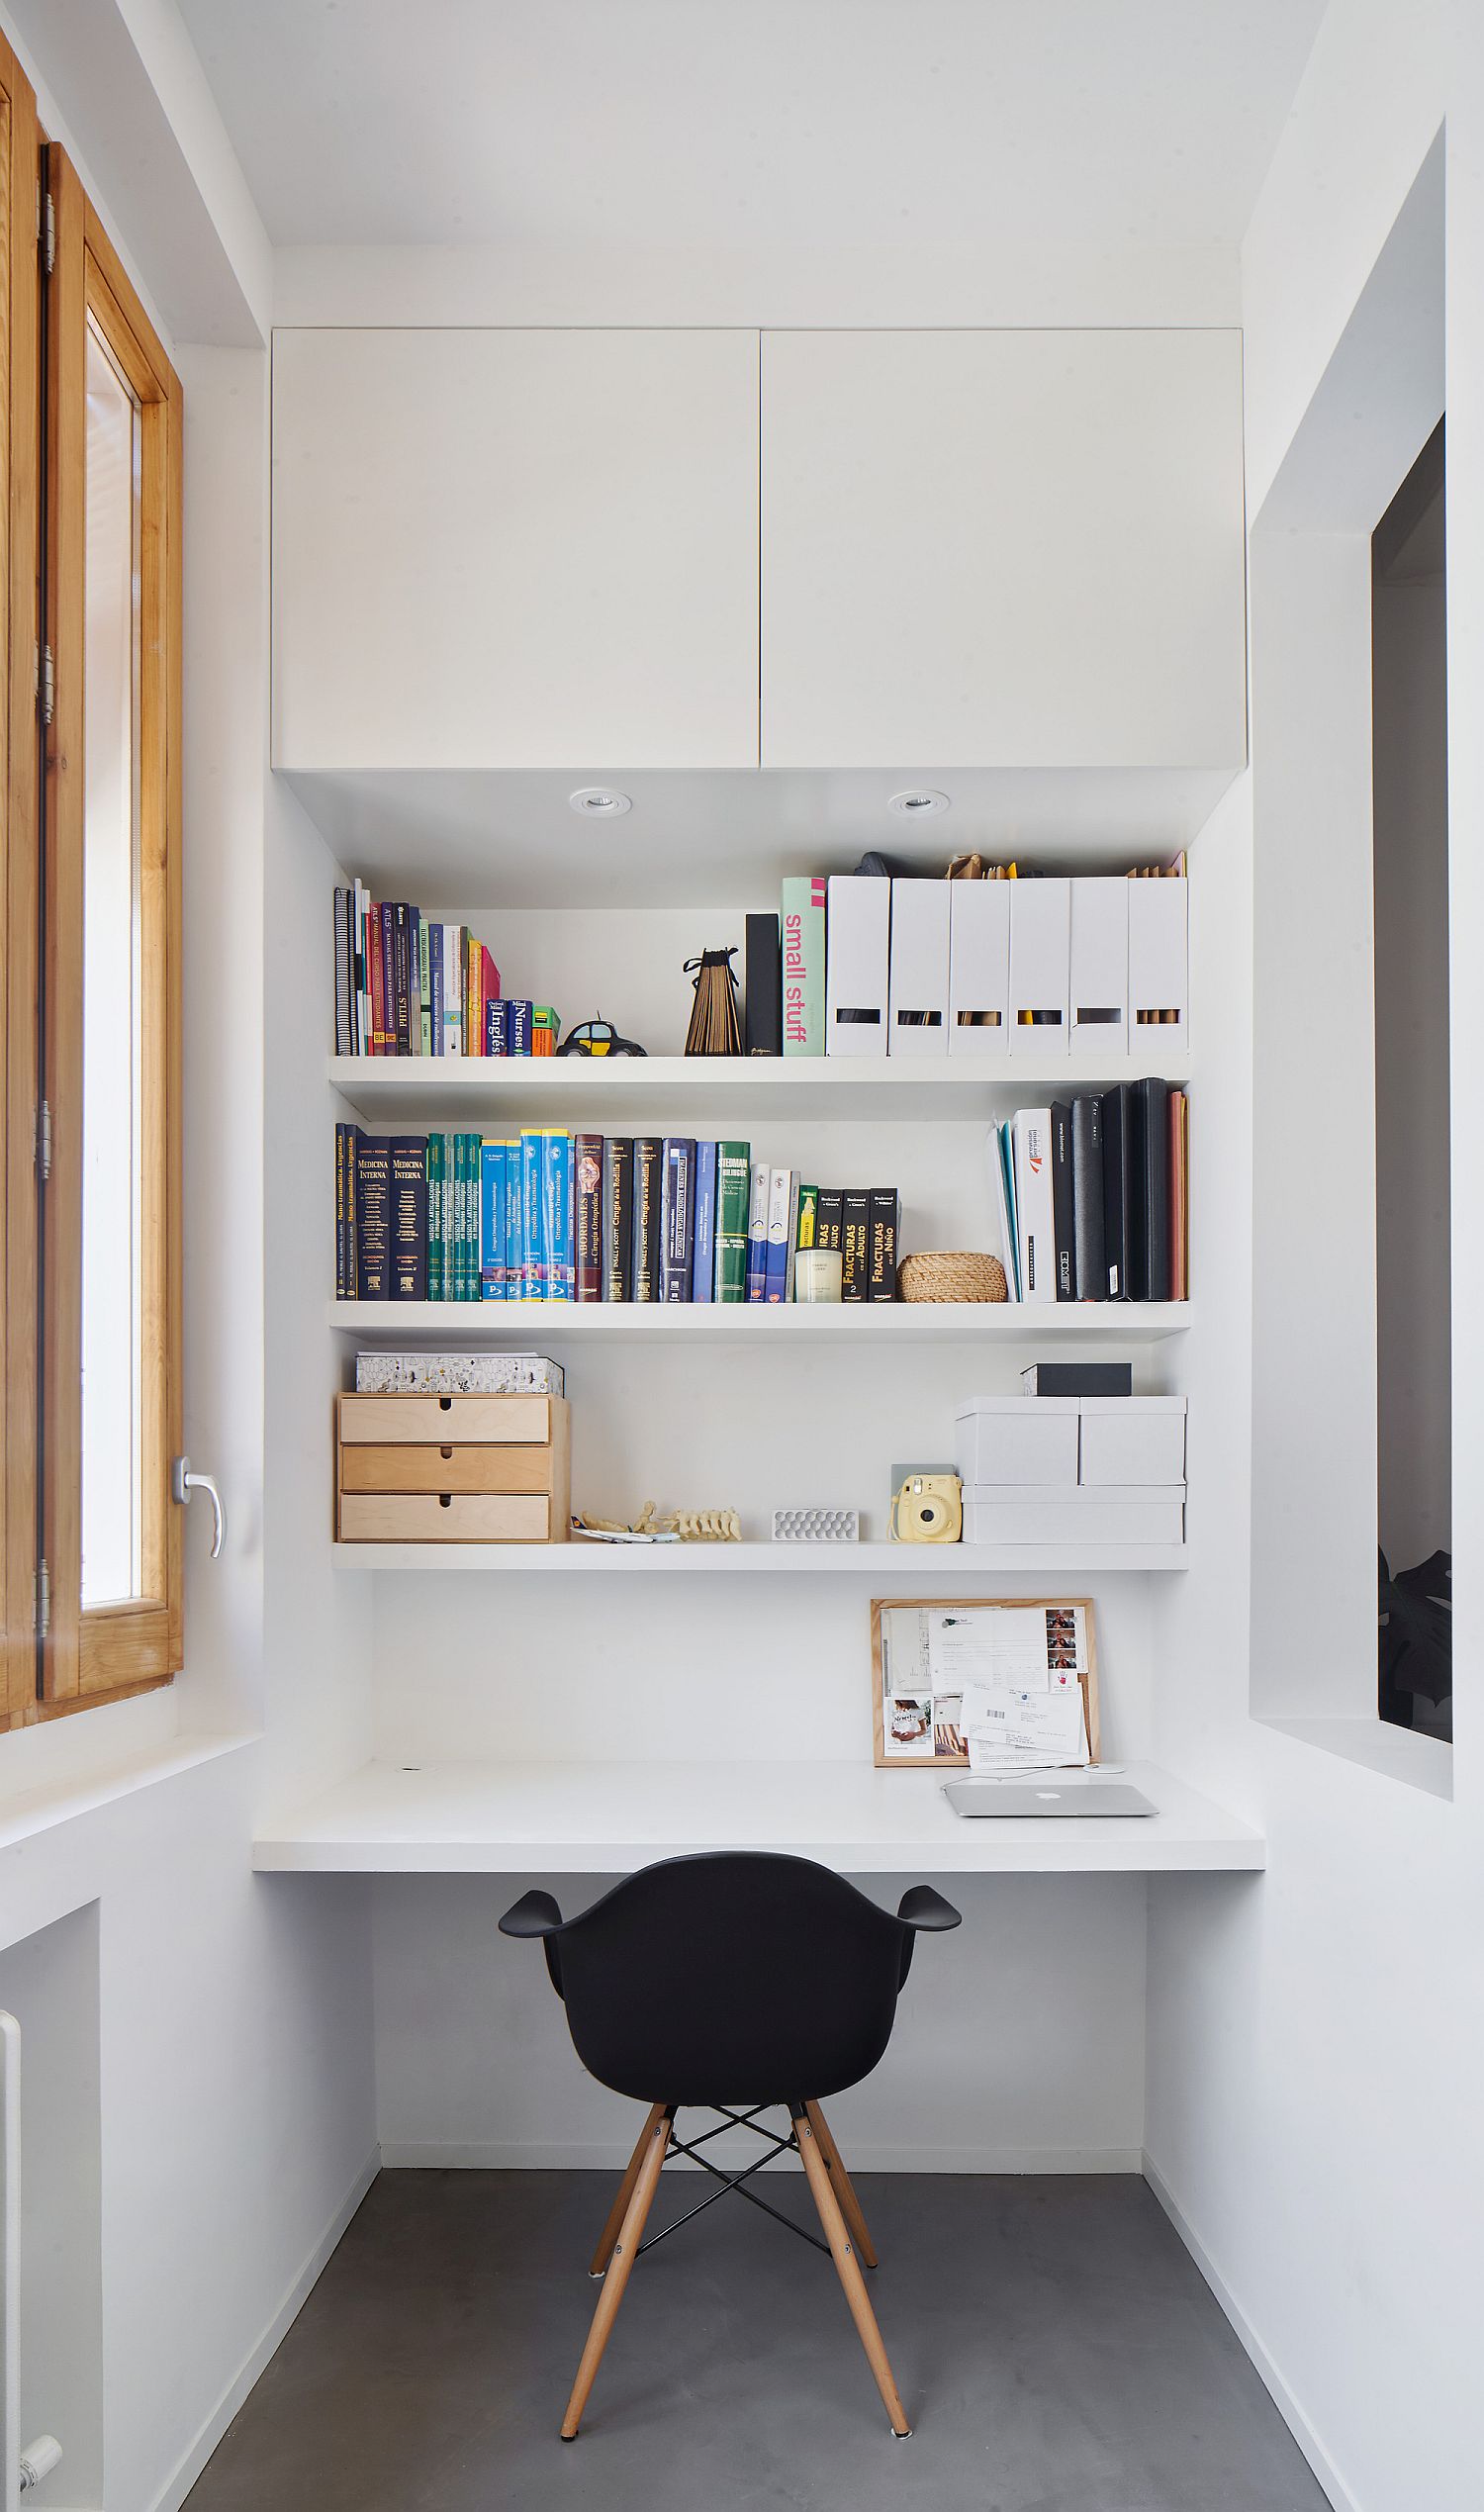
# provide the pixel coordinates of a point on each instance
(1149, 1192)
(829, 1218)
(617, 1217)
(763, 1032)
(343, 1216)
(1063, 1222)
(855, 1244)
(408, 1217)
(373, 1215)
(649, 1154)
(1117, 1179)
(677, 1219)
(1091, 1264)
(588, 1208)
(880, 1254)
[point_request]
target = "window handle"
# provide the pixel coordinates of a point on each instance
(183, 1482)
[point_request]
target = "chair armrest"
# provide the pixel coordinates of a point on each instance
(922, 1907)
(534, 1914)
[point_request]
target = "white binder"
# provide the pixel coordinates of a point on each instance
(1157, 982)
(1099, 962)
(857, 964)
(919, 966)
(979, 967)
(1039, 967)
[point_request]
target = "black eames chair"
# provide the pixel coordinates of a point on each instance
(736, 1984)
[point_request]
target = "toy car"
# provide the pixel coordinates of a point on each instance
(597, 1038)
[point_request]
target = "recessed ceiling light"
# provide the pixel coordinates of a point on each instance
(600, 803)
(919, 803)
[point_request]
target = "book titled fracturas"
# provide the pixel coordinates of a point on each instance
(457, 1373)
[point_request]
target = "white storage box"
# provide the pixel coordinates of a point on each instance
(857, 964)
(979, 967)
(919, 967)
(1100, 965)
(1016, 1440)
(1071, 1513)
(1132, 1440)
(1158, 977)
(1040, 966)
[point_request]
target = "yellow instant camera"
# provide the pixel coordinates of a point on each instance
(928, 1509)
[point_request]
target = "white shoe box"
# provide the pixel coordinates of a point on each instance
(1072, 1513)
(1016, 1440)
(1132, 1440)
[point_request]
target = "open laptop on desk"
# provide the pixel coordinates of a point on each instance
(1045, 1799)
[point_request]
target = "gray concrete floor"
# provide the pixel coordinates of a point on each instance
(1057, 2349)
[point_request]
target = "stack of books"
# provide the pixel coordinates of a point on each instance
(547, 1215)
(408, 986)
(1093, 1195)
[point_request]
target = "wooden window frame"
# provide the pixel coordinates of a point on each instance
(58, 1657)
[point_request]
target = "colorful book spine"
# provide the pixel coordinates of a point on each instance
(855, 1241)
(703, 1256)
(492, 1180)
(829, 1218)
(617, 1217)
(373, 1214)
(345, 1212)
(425, 984)
(884, 1227)
(556, 1213)
(809, 1216)
(783, 1221)
(545, 1028)
(586, 1200)
(676, 1220)
(378, 982)
(648, 1151)
(733, 1185)
(533, 1269)
(495, 1011)
(803, 966)
(408, 1218)
(434, 1161)
(453, 993)
(518, 1017)
(756, 1231)
(514, 1223)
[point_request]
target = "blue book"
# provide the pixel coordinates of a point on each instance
(757, 1231)
(517, 1029)
(706, 1222)
(556, 1215)
(497, 1026)
(532, 1271)
(435, 984)
(515, 1224)
(492, 1192)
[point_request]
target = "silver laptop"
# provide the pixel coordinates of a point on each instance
(1003, 1800)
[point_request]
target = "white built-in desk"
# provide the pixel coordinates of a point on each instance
(605, 1818)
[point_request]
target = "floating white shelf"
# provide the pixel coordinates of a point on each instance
(916, 1564)
(504, 1323)
(601, 1089)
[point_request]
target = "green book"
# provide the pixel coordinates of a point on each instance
(733, 1181)
(434, 1214)
(456, 1232)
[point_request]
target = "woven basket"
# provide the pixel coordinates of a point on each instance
(952, 1274)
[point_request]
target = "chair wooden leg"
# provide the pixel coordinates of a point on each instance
(848, 2268)
(619, 2208)
(624, 2252)
(850, 2204)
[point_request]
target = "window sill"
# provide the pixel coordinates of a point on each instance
(1417, 1761)
(42, 1808)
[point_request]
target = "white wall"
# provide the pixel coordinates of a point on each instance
(1314, 2047)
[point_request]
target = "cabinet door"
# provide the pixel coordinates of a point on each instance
(515, 549)
(1002, 548)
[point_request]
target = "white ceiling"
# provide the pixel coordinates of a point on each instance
(799, 125)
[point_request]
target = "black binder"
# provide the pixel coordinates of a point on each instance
(1149, 1192)
(1090, 1270)
(1117, 1182)
(763, 1016)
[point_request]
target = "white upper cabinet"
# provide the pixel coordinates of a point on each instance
(515, 549)
(1002, 548)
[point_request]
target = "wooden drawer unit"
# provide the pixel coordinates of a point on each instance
(453, 1469)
